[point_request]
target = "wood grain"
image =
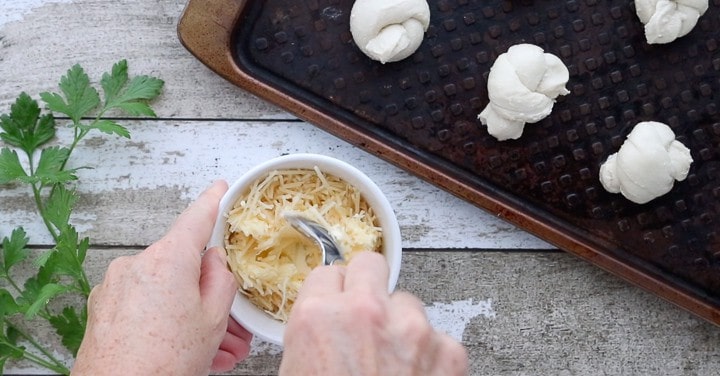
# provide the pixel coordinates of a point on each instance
(37, 50)
(552, 315)
(136, 187)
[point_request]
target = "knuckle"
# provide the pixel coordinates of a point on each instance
(416, 328)
(160, 248)
(155, 250)
(455, 356)
(370, 307)
(118, 265)
(306, 314)
(122, 269)
(409, 301)
(414, 319)
(153, 257)
(306, 310)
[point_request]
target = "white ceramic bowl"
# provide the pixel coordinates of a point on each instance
(246, 313)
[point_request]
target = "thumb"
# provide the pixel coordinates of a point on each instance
(217, 284)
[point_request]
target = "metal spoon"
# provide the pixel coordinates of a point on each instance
(317, 233)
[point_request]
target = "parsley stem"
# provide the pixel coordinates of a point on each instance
(59, 368)
(38, 199)
(76, 139)
(82, 287)
(36, 195)
(51, 362)
(12, 283)
(79, 135)
(41, 209)
(85, 284)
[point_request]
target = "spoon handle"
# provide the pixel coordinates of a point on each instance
(319, 234)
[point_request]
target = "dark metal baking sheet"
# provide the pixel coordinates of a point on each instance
(420, 113)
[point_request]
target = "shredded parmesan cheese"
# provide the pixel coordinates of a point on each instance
(269, 258)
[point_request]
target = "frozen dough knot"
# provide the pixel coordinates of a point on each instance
(647, 164)
(522, 87)
(389, 30)
(667, 20)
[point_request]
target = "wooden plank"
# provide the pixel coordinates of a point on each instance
(96, 34)
(537, 313)
(140, 179)
(517, 312)
(136, 187)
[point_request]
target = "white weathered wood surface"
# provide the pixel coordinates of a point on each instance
(533, 311)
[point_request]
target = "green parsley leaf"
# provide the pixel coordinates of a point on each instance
(82, 249)
(41, 260)
(80, 95)
(8, 306)
(59, 270)
(33, 285)
(14, 250)
(10, 167)
(114, 81)
(47, 292)
(65, 259)
(10, 134)
(110, 127)
(71, 328)
(132, 99)
(69, 254)
(13, 335)
(9, 350)
(24, 127)
(45, 130)
(143, 87)
(50, 167)
(24, 113)
(136, 108)
(59, 205)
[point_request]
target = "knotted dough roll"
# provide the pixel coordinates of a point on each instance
(389, 30)
(667, 20)
(647, 164)
(522, 87)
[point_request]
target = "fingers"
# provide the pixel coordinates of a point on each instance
(234, 347)
(407, 301)
(367, 272)
(321, 281)
(193, 227)
(453, 356)
(437, 353)
(238, 331)
(237, 346)
(217, 284)
(411, 324)
(223, 361)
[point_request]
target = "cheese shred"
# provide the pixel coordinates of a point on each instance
(269, 258)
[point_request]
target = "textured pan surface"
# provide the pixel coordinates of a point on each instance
(426, 106)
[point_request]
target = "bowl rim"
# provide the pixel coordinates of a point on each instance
(259, 322)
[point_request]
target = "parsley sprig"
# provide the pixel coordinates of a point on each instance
(33, 158)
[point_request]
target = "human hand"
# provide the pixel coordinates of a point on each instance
(344, 322)
(165, 310)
